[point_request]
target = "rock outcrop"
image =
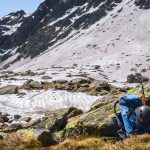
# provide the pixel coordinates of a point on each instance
(57, 120)
(100, 120)
(10, 89)
(136, 78)
(143, 3)
(31, 84)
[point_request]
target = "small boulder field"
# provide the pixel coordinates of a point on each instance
(92, 129)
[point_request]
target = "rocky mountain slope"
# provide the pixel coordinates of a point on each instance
(9, 25)
(113, 34)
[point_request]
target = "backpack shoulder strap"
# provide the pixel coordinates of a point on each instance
(118, 115)
(115, 105)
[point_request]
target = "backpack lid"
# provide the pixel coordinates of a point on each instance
(131, 100)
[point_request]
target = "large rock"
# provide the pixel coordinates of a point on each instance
(25, 119)
(1, 120)
(19, 124)
(136, 78)
(4, 118)
(100, 85)
(46, 77)
(32, 123)
(31, 84)
(103, 101)
(59, 81)
(3, 126)
(7, 72)
(13, 127)
(57, 120)
(41, 73)
(35, 85)
(100, 121)
(28, 73)
(17, 117)
(58, 136)
(80, 81)
(45, 137)
(2, 135)
(10, 89)
(143, 3)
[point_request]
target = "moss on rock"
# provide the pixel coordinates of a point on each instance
(100, 121)
(26, 132)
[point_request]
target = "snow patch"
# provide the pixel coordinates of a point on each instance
(68, 12)
(35, 102)
(11, 29)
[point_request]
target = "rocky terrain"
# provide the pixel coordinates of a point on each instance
(50, 109)
(63, 67)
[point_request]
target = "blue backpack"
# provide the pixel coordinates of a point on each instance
(126, 118)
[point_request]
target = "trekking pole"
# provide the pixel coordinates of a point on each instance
(143, 92)
(143, 95)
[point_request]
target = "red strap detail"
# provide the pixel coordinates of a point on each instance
(141, 120)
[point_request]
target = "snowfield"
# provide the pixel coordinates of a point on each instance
(11, 29)
(38, 102)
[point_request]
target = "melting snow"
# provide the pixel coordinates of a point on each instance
(68, 12)
(38, 102)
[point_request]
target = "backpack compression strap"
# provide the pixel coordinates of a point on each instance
(144, 100)
(118, 115)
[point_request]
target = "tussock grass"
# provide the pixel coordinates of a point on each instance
(88, 144)
(136, 142)
(17, 142)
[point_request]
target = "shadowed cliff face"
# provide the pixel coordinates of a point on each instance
(145, 4)
(39, 29)
(13, 18)
(9, 25)
(49, 11)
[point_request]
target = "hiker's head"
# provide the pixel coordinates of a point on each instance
(142, 114)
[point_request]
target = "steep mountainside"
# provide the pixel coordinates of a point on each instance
(9, 25)
(111, 33)
(54, 20)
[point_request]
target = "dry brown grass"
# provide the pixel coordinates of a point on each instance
(86, 144)
(17, 142)
(138, 142)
